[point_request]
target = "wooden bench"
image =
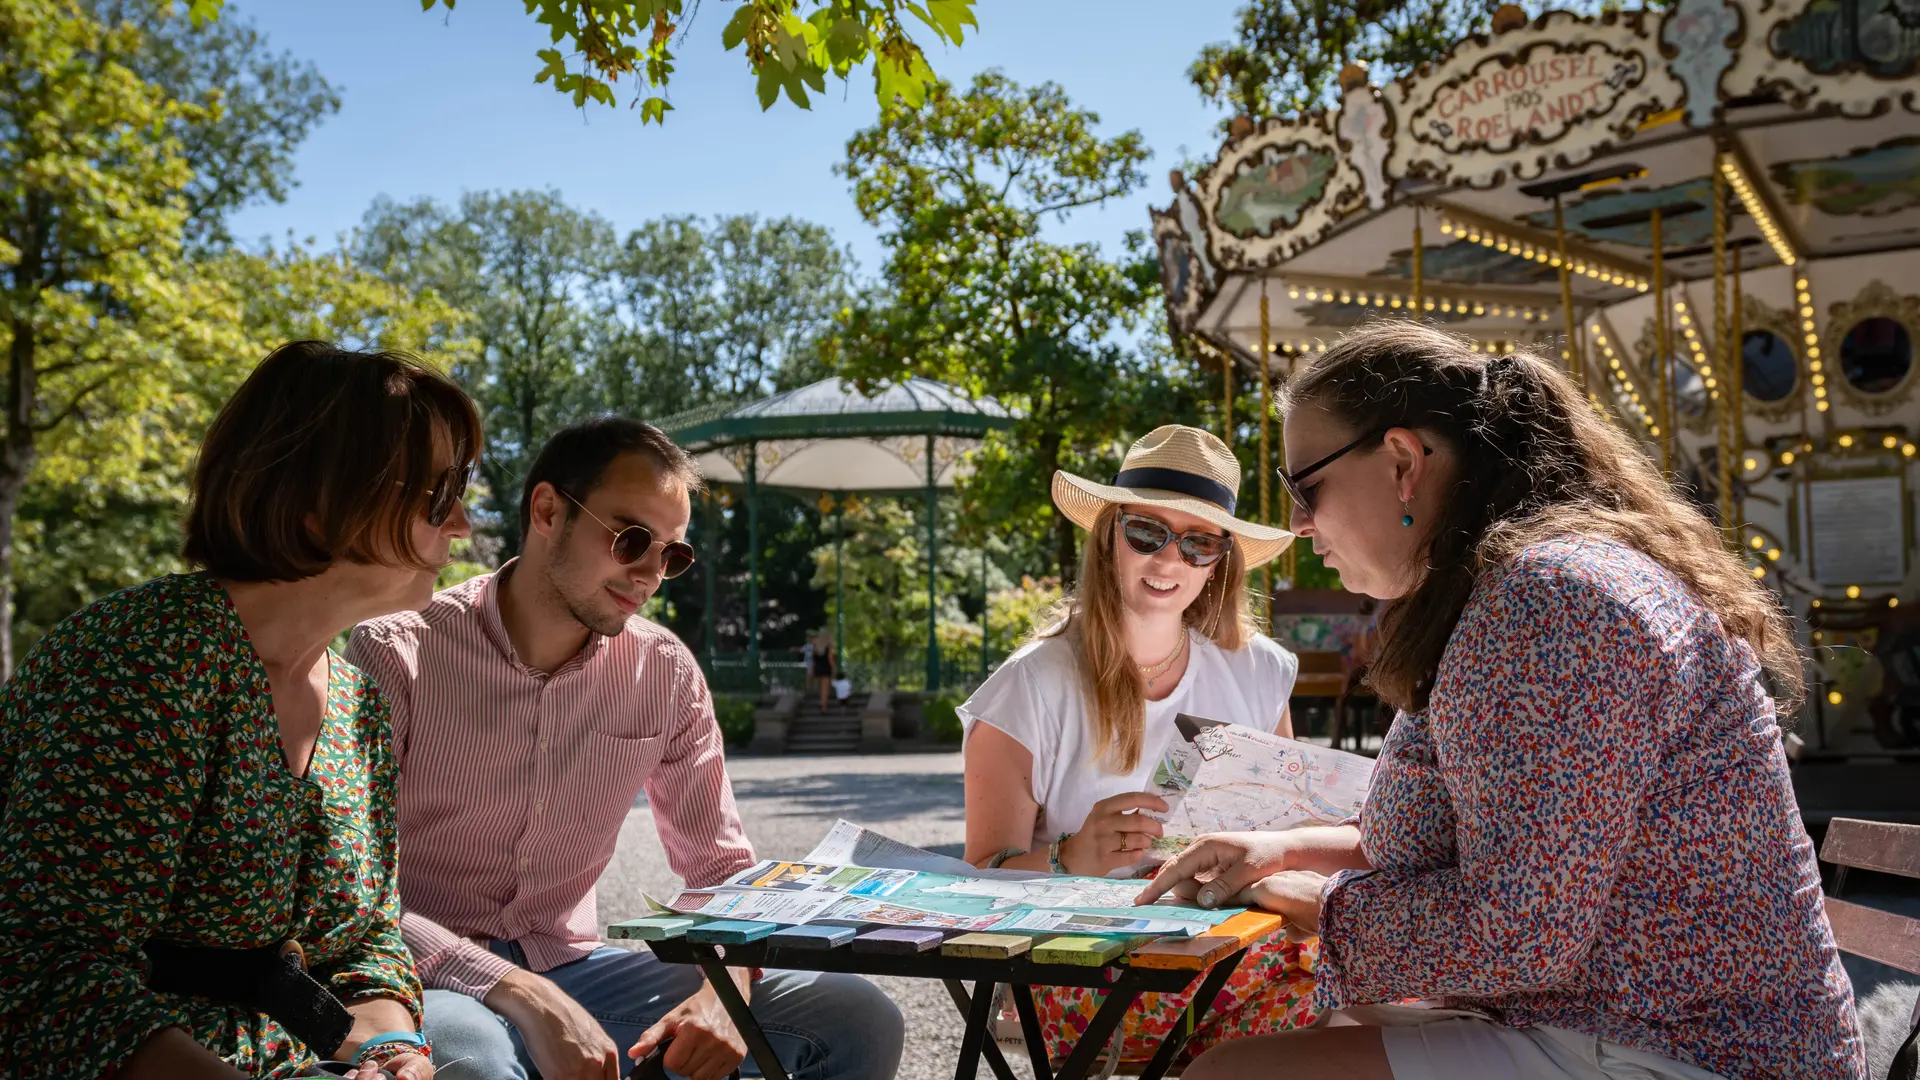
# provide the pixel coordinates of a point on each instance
(1124, 967)
(1893, 940)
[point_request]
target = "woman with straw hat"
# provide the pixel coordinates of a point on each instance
(1062, 741)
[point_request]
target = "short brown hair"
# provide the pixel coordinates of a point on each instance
(324, 454)
(577, 457)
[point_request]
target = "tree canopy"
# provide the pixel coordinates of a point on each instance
(976, 292)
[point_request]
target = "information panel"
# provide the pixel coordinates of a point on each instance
(1858, 530)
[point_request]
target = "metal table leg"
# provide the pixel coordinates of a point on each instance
(1119, 999)
(968, 1004)
(1030, 1028)
(1197, 1007)
(743, 1018)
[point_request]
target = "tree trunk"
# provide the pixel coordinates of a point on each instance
(16, 464)
(1064, 553)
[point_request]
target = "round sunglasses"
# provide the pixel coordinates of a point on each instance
(1148, 535)
(632, 543)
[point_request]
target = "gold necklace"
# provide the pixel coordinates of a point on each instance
(1152, 672)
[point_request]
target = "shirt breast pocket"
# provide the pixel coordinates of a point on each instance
(615, 767)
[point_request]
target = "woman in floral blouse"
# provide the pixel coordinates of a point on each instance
(1581, 842)
(196, 786)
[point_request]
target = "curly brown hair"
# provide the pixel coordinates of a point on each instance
(1536, 461)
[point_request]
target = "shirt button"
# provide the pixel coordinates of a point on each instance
(539, 807)
(543, 746)
(525, 861)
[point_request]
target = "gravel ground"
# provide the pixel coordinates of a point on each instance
(788, 803)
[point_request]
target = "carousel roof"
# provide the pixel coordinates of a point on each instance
(1810, 110)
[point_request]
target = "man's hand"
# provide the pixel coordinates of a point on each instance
(565, 1042)
(706, 1046)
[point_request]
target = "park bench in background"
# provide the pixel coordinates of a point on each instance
(1881, 936)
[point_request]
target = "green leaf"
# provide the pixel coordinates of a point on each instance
(769, 87)
(654, 110)
(736, 28)
(202, 12)
(950, 17)
(556, 68)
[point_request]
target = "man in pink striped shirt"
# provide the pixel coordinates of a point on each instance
(530, 707)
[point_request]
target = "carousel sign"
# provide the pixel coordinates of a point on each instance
(1508, 101)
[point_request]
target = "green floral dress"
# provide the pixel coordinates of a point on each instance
(147, 796)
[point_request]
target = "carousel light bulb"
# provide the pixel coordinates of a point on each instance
(1429, 305)
(1853, 592)
(1446, 306)
(1654, 431)
(1846, 440)
(1908, 450)
(1893, 601)
(1833, 697)
(1813, 353)
(1396, 301)
(1751, 464)
(1773, 554)
(1889, 442)
(1820, 405)
(1346, 298)
(1293, 294)
(1756, 541)
(1759, 571)
(1813, 339)
(1685, 319)
(1500, 246)
(1786, 457)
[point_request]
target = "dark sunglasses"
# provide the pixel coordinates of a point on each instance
(446, 493)
(1290, 481)
(1148, 535)
(632, 543)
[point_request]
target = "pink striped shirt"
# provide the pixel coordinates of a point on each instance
(514, 783)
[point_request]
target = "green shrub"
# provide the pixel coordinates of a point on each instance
(940, 716)
(735, 714)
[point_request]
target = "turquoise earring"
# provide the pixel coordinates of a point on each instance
(1405, 518)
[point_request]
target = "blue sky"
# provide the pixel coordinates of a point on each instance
(436, 104)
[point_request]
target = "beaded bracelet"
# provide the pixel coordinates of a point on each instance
(385, 1052)
(1053, 854)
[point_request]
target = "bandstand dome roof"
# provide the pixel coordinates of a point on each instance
(828, 436)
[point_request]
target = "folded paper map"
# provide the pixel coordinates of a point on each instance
(901, 895)
(1227, 778)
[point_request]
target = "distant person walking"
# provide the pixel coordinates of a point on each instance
(822, 664)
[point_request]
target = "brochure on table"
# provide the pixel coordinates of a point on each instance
(905, 894)
(1227, 778)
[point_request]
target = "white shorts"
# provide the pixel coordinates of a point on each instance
(1442, 1044)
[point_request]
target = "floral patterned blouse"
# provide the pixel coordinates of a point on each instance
(1591, 827)
(147, 796)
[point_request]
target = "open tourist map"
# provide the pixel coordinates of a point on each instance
(915, 892)
(1227, 778)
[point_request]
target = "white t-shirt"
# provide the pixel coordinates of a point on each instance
(1036, 698)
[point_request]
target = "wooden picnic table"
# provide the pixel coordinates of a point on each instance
(1126, 967)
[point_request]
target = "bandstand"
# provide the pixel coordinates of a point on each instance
(1710, 215)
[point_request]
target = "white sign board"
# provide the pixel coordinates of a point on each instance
(1858, 530)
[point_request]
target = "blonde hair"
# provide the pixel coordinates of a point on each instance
(1093, 620)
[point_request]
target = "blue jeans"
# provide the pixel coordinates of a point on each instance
(823, 1026)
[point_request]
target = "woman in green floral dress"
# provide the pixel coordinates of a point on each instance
(188, 771)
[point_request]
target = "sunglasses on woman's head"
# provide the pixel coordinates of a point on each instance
(1290, 481)
(1147, 536)
(632, 543)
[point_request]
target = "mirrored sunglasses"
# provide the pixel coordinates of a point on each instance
(1147, 536)
(632, 543)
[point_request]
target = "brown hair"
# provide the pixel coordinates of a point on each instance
(575, 459)
(1536, 461)
(1093, 618)
(324, 454)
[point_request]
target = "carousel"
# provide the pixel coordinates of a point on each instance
(1710, 215)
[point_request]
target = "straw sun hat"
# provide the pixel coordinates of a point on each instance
(1180, 468)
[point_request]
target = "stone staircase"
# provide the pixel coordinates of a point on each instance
(836, 731)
